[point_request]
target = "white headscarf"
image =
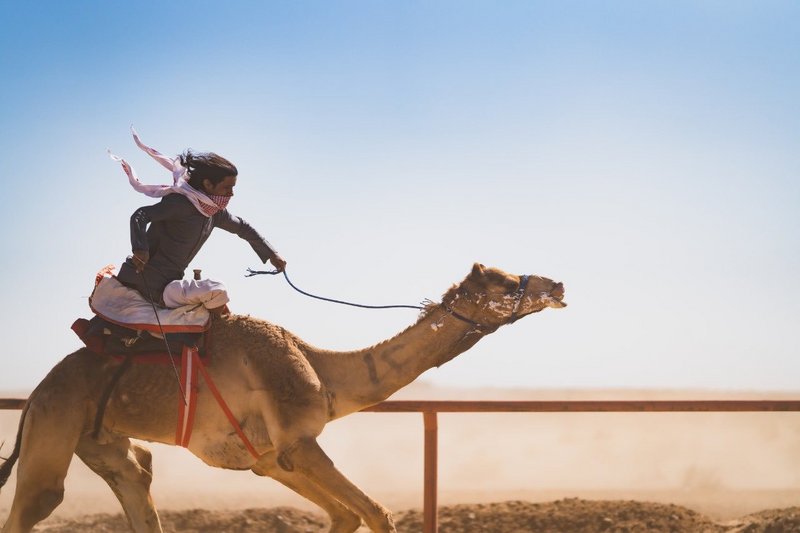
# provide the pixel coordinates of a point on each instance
(180, 184)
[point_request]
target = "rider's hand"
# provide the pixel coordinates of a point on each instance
(278, 262)
(140, 259)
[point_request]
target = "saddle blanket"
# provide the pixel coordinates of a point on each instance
(124, 306)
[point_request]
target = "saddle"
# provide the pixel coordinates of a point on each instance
(109, 339)
(126, 324)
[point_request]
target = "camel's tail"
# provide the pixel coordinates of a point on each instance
(8, 464)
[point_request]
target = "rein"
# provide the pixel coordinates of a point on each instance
(480, 328)
(251, 272)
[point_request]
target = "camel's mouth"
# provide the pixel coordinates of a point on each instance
(556, 297)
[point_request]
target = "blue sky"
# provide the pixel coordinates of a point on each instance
(645, 154)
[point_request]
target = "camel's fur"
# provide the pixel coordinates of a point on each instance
(282, 391)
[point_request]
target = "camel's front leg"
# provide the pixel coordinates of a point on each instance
(127, 468)
(49, 437)
(305, 457)
(343, 520)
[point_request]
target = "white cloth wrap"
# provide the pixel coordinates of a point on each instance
(183, 292)
(124, 306)
(179, 183)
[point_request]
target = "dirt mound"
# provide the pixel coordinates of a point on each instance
(772, 521)
(568, 516)
(275, 520)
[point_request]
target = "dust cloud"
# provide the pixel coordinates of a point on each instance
(724, 465)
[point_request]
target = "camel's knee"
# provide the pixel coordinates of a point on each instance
(306, 451)
(267, 465)
(144, 458)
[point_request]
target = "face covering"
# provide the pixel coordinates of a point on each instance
(220, 203)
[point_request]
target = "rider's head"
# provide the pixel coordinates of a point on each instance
(209, 172)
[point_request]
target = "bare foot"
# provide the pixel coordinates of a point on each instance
(220, 311)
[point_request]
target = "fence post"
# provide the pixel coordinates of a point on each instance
(429, 508)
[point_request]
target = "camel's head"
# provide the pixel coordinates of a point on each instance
(493, 298)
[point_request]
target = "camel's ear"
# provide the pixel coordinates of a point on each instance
(477, 270)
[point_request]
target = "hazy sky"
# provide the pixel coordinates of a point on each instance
(644, 153)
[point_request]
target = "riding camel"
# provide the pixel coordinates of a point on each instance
(281, 390)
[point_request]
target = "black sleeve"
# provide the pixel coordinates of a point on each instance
(233, 224)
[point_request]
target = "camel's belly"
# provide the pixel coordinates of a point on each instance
(217, 443)
(223, 448)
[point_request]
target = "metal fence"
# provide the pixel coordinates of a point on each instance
(430, 409)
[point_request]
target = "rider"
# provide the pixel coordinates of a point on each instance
(180, 224)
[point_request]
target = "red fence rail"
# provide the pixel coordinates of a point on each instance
(429, 410)
(12, 403)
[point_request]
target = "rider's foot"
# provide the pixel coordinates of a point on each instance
(220, 311)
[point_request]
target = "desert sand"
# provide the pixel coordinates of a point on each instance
(723, 466)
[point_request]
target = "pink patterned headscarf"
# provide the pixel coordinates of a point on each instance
(205, 204)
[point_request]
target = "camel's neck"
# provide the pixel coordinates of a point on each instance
(362, 378)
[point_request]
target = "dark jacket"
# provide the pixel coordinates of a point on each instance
(177, 232)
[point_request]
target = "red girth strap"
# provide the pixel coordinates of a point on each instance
(190, 364)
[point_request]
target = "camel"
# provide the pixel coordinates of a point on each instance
(281, 390)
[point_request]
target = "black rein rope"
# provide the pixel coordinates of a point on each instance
(251, 272)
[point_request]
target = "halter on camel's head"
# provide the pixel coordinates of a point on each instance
(489, 298)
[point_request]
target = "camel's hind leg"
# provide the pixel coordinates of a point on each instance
(343, 520)
(306, 458)
(127, 468)
(49, 437)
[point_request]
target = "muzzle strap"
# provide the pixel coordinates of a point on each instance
(523, 284)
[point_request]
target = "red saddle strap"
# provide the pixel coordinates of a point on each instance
(187, 409)
(190, 365)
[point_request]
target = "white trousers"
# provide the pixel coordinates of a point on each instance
(208, 292)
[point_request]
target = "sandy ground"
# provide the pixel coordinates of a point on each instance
(567, 516)
(723, 465)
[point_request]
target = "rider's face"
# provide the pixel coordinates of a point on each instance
(223, 188)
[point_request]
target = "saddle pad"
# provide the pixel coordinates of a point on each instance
(158, 356)
(121, 305)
